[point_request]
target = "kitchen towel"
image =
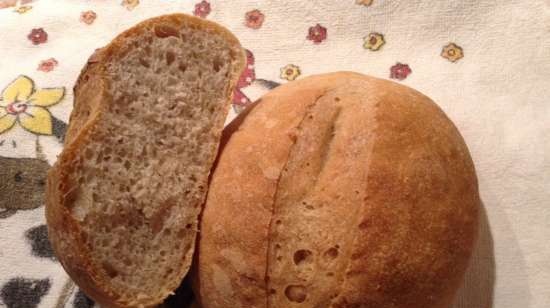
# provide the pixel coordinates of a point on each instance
(485, 62)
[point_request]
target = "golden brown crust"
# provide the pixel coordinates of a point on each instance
(406, 244)
(91, 98)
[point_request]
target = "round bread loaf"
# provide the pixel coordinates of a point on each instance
(338, 190)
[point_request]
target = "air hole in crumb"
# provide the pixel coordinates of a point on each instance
(162, 253)
(172, 105)
(127, 262)
(111, 271)
(148, 50)
(163, 31)
(188, 226)
(217, 64)
(182, 67)
(127, 164)
(279, 258)
(330, 274)
(302, 256)
(336, 99)
(310, 207)
(296, 293)
(170, 57)
(144, 62)
(272, 291)
(364, 224)
(331, 253)
(89, 153)
(278, 221)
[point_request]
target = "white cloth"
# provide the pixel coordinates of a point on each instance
(497, 94)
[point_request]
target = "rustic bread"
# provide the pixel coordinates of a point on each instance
(124, 197)
(338, 190)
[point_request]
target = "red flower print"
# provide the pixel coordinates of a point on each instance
(317, 34)
(47, 65)
(254, 19)
(202, 9)
(88, 17)
(38, 36)
(247, 77)
(400, 71)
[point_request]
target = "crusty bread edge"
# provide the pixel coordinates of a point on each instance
(64, 232)
(447, 298)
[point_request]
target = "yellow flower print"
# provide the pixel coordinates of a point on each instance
(130, 4)
(452, 52)
(23, 9)
(364, 2)
(290, 72)
(24, 104)
(373, 41)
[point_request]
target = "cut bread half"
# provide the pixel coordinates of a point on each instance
(124, 197)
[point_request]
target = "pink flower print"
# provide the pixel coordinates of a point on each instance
(317, 34)
(400, 71)
(7, 3)
(88, 17)
(246, 78)
(202, 9)
(248, 75)
(254, 19)
(38, 36)
(47, 65)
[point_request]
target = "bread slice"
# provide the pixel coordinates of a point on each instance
(124, 197)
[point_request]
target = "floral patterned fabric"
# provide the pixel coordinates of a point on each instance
(486, 63)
